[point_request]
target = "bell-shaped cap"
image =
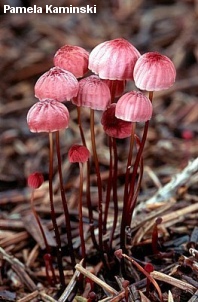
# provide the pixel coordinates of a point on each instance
(114, 59)
(116, 85)
(72, 58)
(56, 84)
(48, 116)
(134, 106)
(93, 93)
(78, 154)
(35, 180)
(114, 126)
(154, 72)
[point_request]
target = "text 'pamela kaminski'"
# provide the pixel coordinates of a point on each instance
(50, 9)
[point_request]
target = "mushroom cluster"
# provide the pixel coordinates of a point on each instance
(98, 81)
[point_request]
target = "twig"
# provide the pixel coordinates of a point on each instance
(179, 213)
(107, 299)
(47, 298)
(29, 297)
(69, 287)
(177, 181)
(173, 281)
(119, 297)
(19, 268)
(95, 279)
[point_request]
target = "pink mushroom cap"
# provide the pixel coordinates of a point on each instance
(35, 180)
(56, 84)
(72, 58)
(47, 116)
(93, 93)
(114, 126)
(154, 72)
(134, 106)
(114, 59)
(78, 154)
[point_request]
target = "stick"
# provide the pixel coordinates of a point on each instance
(170, 189)
(19, 269)
(173, 281)
(95, 279)
(69, 287)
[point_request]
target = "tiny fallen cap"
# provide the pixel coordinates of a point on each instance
(72, 58)
(78, 154)
(93, 93)
(154, 72)
(56, 84)
(114, 126)
(48, 116)
(134, 106)
(114, 59)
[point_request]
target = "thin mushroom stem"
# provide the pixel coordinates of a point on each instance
(53, 214)
(134, 173)
(129, 207)
(113, 171)
(81, 232)
(140, 268)
(155, 236)
(80, 125)
(99, 181)
(88, 195)
(129, 162)
(115, 191)
(109, 186)
(113, 90)
(139, 180)
(64, 202)
(126, 187)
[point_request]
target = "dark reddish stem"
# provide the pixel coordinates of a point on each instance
(54, 281)
(64, 202)
(109, 187)
(80, 126)
(113, 172)
(115, 191)
(131, 200)
(49, 267)
(113, 90)
(142, 270)
(155, 236)
(53, 214)
(127, 213)
(99, 181)
(129, 163)
(139, 181)
(134, 173)
(88, 195)
(126, 187)
(81, 232)
(149, 269)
